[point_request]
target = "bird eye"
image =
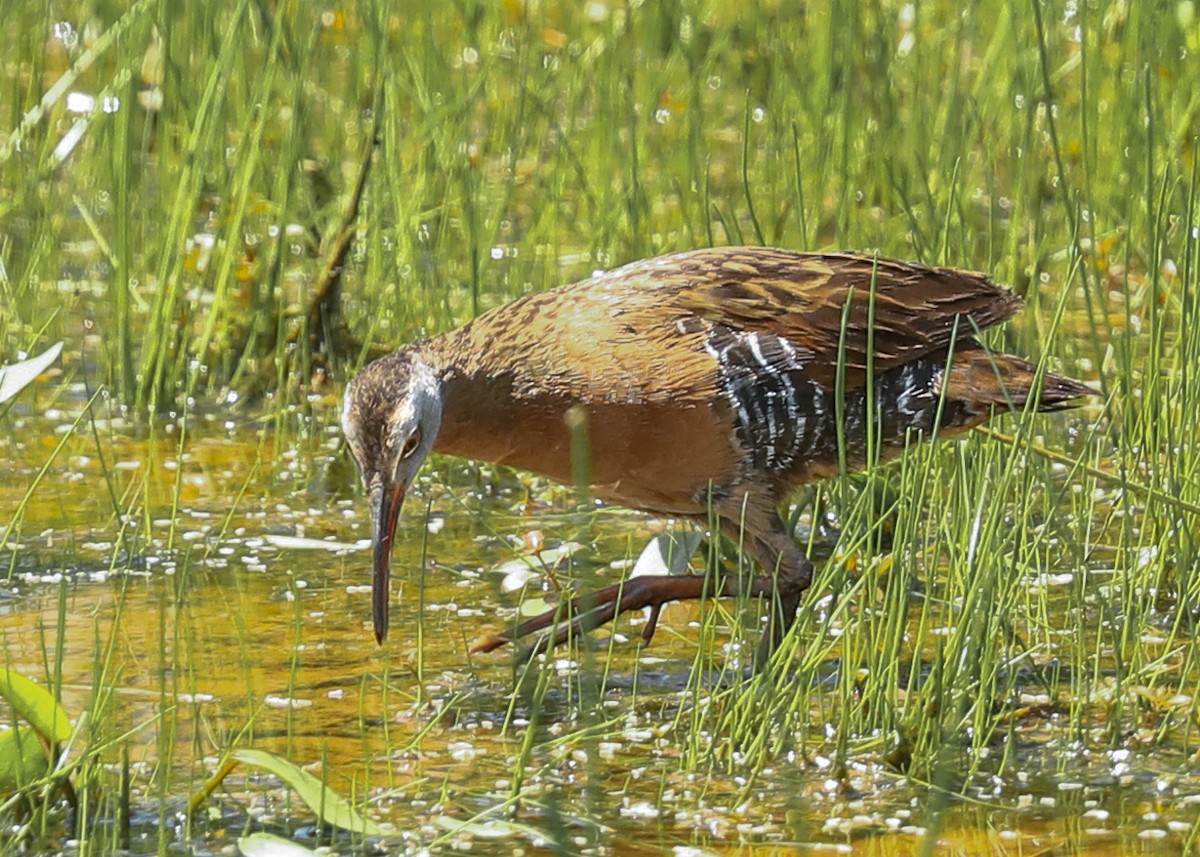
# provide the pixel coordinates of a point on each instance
(410, 445)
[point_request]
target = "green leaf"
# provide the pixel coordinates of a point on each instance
(535, 606)
(329, 806)
(34, 703)
(23, 759)
(496, 828)
(18, 376)
(269, 845)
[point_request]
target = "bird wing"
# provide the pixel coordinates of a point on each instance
(825, 303)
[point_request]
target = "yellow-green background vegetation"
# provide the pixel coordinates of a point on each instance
(999, 651)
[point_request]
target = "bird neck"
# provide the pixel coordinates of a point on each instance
(470, 400)
(487, 414)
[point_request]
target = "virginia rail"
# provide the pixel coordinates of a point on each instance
(708, 380)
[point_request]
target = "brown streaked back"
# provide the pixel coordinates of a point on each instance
(803, 298)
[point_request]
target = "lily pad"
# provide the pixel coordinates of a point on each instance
(17, 376)
(517, 575)
(535, 606)
(519, 572)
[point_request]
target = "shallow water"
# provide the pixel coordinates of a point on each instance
(217, 625)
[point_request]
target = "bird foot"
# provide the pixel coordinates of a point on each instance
(580, 615)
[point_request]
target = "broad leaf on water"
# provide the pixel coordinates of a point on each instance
(17, 376)
(35, 704)
(23, 759)
(329, 806)
(269, 845)
(536, 606)
(518, 572)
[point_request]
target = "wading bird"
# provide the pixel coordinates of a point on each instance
(707, 379)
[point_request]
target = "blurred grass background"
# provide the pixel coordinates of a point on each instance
(176, 191)
(175, 180)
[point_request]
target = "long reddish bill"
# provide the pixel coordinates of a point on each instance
(385, 510)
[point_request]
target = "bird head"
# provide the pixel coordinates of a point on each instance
(391, 415)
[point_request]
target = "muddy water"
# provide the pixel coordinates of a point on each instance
(228, 605)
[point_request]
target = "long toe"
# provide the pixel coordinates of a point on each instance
(587, 612)
(567, 619)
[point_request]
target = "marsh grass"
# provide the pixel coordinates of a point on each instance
(976, 599)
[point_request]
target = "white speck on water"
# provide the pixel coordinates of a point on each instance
(196, 697)
(641, 809)
(463, 751)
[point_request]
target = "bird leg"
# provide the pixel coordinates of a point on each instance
(787, 573)
(586, 612)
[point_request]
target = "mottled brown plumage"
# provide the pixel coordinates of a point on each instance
(711, 376)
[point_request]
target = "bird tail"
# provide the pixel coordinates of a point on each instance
(984, 380)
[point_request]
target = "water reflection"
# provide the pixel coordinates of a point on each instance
(248, 623)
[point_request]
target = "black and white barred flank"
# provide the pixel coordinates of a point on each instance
(784, 419)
